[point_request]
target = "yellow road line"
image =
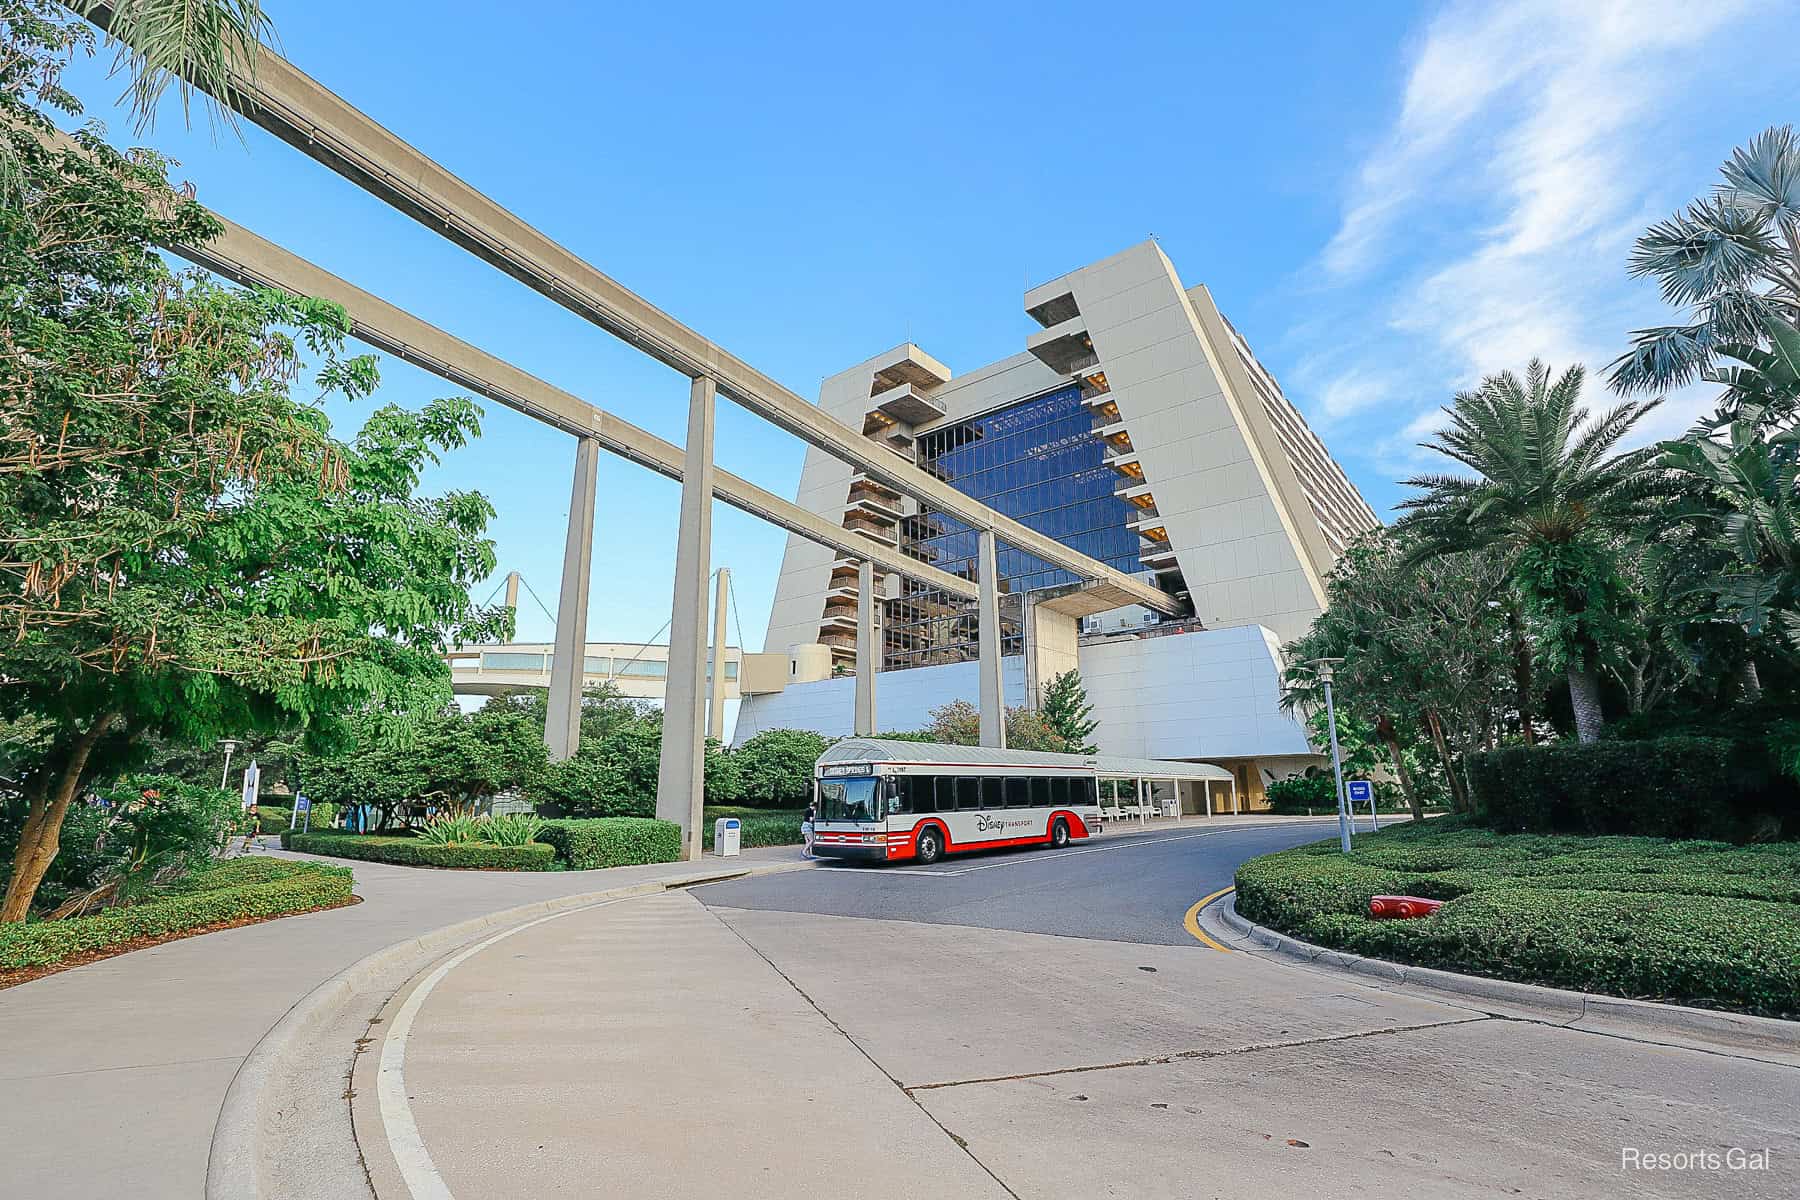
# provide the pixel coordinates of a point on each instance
(1192, 921)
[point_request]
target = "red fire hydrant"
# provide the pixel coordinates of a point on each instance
(1402, 906)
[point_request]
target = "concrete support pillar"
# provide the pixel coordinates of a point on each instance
(993, 697)
(868, 649)
(715, 708)
(562, 723)
(512, 590)
(1052, 646)
(680, 777)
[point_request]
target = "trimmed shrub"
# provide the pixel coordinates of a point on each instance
(1673, 787)
(414, 852)
(231, 891)
(274, 818)
(760, 828)
(1689, 921)
(586, 844)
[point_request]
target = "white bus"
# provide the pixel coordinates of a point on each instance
(892, 800)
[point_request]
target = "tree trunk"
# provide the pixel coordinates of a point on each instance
(39, 840)
(1459, 798)
(1384, 729)
(1751, 681)
(1521, 671)
(1584, 697)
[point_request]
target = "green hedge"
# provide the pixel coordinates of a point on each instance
(759, 828)
(1688, 921)
(587, 843)
(411, 852)
(273, 818)
(231, 891)
(1673, 787)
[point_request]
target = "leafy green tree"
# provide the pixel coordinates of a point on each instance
(185, 549)
(958, 723)
(1731, 259)
(1068, 714)
(1423, 645)
(1549, 493)
(776, 767)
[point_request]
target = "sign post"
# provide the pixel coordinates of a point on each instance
(301, 805)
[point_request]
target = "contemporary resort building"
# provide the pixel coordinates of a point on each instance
(1135, 426)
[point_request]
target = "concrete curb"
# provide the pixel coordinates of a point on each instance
(233, 1169)
(1644, 1019)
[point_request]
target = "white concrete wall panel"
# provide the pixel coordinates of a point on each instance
(1211, 694)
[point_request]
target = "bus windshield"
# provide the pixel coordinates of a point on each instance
(848, 800)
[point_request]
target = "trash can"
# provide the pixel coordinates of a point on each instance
(726, 833)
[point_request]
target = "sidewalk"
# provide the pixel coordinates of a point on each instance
(114, 1072)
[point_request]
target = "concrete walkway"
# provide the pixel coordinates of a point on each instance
(114, 1072)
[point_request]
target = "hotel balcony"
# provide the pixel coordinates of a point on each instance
(871, 527)
(907, 364)
(1159, 558)
(1094, 388)
(1126, 463)
(1114, 433)
(839, 639)
(879, 507)
(1065, 348)
(1152, 530)
(1051, 303)
(908, 404)
(1135, 491)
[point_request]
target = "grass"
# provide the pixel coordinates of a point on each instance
(233, 891)
(1703, 923)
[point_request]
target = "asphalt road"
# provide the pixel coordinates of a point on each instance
(1125, 887)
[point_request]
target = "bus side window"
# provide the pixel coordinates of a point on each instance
(1090, 792)
(1018, 793)
(900, 795)
(946, 794)
(1059, 791)
(1040, 792)
(968, 794)
(990, 792)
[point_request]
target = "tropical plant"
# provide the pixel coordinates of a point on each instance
(511, 829)
(1068, 714)
(1549, 493)
(190, 44)
(1731, 259)
(451, 829)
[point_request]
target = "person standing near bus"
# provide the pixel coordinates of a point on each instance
(806, 829)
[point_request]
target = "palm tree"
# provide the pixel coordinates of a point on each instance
(1731, 259)
(1738, 498)
(1548, 496)
(192, 44)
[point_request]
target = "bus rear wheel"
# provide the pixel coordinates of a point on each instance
(929, 847)
(1059, 833)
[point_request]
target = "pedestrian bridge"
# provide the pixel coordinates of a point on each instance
(639, 670)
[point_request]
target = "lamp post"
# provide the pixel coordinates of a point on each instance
(1326, 668)
(225, 775)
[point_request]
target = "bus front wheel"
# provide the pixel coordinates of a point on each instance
(929, 846)
(1059, 833)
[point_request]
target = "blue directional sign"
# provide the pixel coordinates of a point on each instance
(1361, 791)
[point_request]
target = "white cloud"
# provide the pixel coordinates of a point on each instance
(1491, 224)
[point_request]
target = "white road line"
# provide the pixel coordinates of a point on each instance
(417, 1170)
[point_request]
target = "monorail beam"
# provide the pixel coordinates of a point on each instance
(298, 110)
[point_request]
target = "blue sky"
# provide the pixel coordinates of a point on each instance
(1388, 199)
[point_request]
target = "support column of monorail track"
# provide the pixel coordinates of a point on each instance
(868, 650)
(715, 705)
(680, 777)
(993, 695)
(562, 721)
